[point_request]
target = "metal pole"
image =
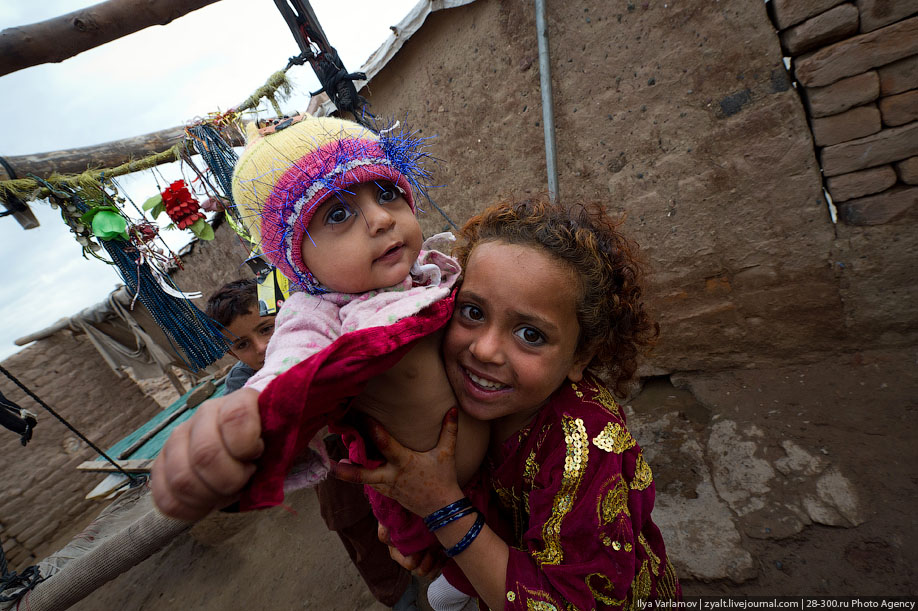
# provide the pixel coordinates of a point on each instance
(548, 117)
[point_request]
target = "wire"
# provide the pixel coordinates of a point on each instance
(38, 400)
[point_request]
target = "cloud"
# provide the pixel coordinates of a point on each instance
(160, 77)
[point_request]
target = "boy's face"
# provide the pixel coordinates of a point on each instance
(362, 241)
(249, 335)
(512, 339)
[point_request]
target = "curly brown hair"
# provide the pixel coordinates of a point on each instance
(614, 324)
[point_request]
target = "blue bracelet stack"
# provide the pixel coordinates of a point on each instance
(445, 515)
(466, 541)
(451, 513)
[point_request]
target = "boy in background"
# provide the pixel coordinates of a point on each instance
(343, 505)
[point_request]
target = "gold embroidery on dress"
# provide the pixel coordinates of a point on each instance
(666, 587)
(654, 559)
(643, 476)
(512, 504)
(531, 468)
(538, 600)
(614, 503)
(614, 438)
(540, 605)
(605, 398)
(640, 588)
(603, 589)
(575, 463)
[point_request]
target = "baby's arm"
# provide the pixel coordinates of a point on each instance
(208, 458)
(305, 325)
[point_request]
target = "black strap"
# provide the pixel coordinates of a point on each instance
(16, 419)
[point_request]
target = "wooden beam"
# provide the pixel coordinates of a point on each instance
(108, 155)
(21, 212)
(142, 465)
(59, 38)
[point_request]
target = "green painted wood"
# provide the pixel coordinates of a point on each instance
(152, 447)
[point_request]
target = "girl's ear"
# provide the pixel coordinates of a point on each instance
(581, 362)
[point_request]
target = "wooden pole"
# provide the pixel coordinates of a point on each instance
(108, 155)
(59, 38)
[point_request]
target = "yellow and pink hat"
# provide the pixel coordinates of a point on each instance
(289, 169)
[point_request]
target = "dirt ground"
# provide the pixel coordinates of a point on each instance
(859, 409)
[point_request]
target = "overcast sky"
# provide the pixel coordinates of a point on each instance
(209, 60)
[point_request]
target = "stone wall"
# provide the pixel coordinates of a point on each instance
(42, 495)
(856, 67)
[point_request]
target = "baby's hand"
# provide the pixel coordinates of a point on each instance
(209, 458)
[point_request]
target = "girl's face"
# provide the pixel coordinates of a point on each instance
(361, 241)
(512, 338)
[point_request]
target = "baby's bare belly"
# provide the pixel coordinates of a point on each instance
(410, 401)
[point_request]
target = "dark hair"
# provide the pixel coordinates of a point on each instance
(610, 309)
(234, 299)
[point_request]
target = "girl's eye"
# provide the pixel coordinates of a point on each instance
(471, 312)
(241, 346)
(338, 215)
(267, 330)
(387, 194)
(530, 335)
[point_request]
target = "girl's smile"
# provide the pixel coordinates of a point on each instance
(513, 336)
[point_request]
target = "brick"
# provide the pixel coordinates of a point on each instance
(877, 13)
(849, 125)
(908, 171)
(879, 209)
(888, 145)
(899, 76)
(43, 536)
(859, 184)
(858, 54)
(842, 95)
(899, 109)
(785, 13)
(835, 24)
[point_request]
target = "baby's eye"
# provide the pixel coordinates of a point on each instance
(387, 194)
(338, 214)
(471, 312)
(530, 335)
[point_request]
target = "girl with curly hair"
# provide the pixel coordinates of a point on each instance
(551, 298)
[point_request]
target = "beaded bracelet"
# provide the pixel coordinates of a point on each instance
(444, 512)
(450, 518)
(466, 541)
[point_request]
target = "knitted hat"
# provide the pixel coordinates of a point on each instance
(282, 177)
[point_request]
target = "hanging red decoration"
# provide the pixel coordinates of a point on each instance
(180, 205)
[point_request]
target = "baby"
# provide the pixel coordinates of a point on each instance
(331, 203)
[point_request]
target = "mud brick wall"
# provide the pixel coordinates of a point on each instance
(41, 492)
(206, 266)
(856, 64)
(856, 69)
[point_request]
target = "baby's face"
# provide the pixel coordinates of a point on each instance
(362, 241)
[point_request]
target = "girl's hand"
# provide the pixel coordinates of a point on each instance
(208, 458)
(421, 482)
